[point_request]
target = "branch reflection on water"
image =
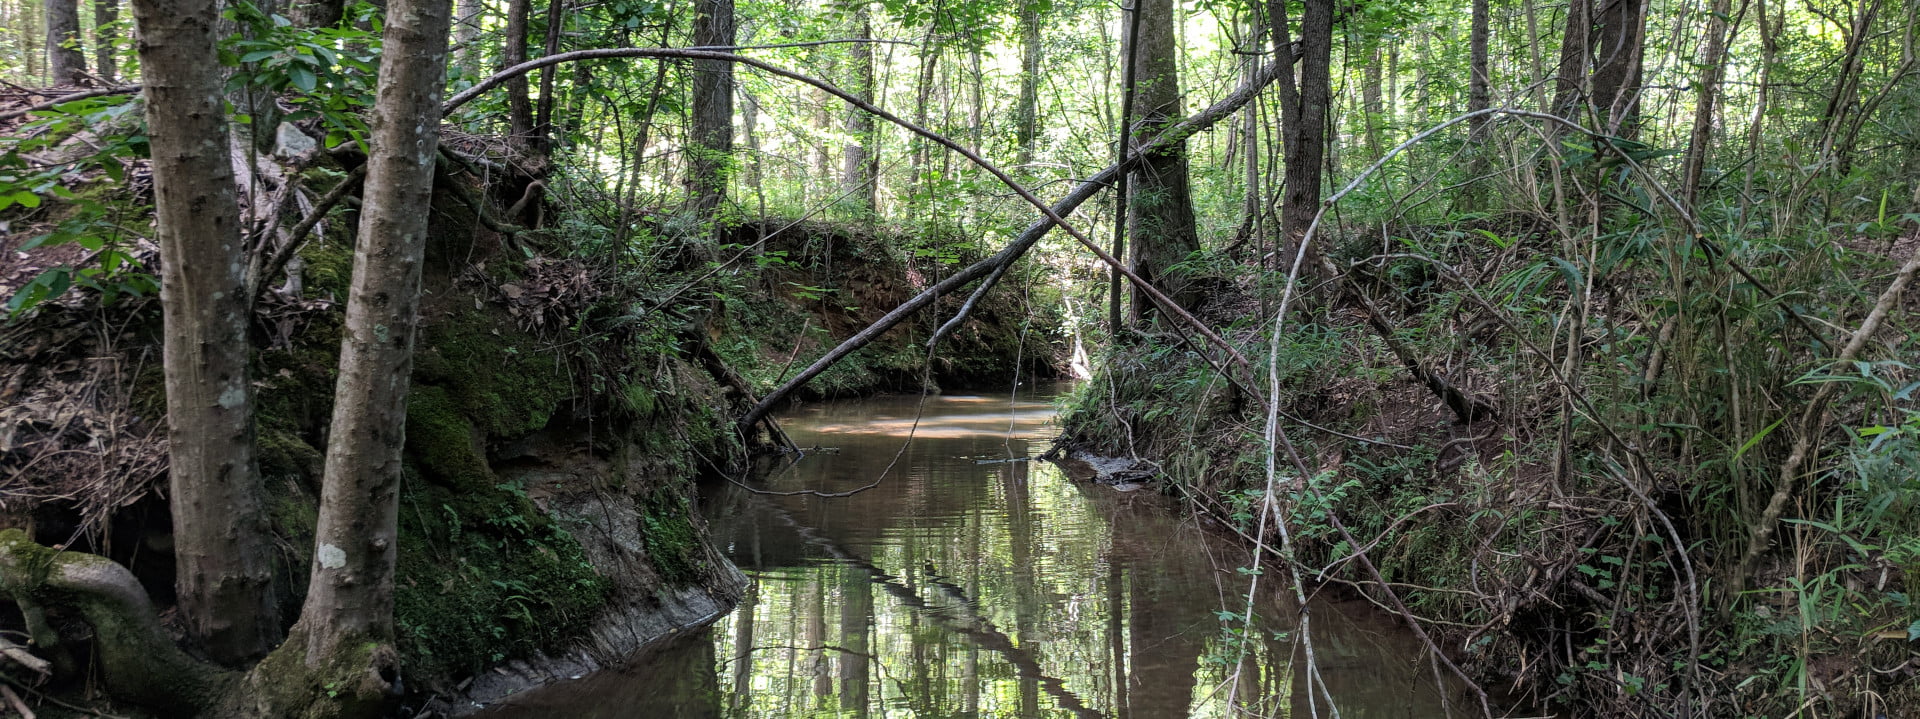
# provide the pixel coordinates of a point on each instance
(1003, 590)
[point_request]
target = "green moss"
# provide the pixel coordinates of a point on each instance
(441, 440)
(329, 266)
(492, 372)
(474, 590)
(673, 544)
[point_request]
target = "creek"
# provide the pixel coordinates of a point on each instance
(975, 581)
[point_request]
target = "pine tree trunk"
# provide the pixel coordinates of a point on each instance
(66, 64)
(221, 548)
(712, 132)
(1161, 209)
(349, 603)
(105, 14)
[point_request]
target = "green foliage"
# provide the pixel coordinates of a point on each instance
(328, 72)
(88, 217)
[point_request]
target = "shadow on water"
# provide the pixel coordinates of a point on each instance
(967, 585)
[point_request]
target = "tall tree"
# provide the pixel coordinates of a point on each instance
(105, 14)
(1712, 63)
(1303, 107)
(1479, 71)
(349, 604)
(221, 550)
(1620, 44)
(1372, 109)
(1027, 111)
(711, 147)
(1160, 211)
(1479, 97)
(466, 35)
(860, 164)
(513, 51)
(66, 64)
(1570, 78)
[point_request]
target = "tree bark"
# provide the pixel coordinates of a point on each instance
(466, 35)
(542, 141)
(221, 550)
(66, 64)
(1617, 66)
(1160, 211)
(1570, 79)
(710, 152)
(349, 603)
(1480, 74)
(318, 13)
(1027, 112)
(1706, 94)
(105, 14)
(1370, 105)
(1305, 111)
(860, 165)
(519, 97)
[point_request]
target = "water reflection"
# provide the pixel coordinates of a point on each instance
(965, 585)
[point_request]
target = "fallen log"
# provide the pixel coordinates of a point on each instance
(992, 268)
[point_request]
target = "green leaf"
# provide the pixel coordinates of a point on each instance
(258, 55)
(302, 78)
(1913, 631)
(26, 199)
(1755, 439)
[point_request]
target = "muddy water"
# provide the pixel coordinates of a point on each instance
(973, 582)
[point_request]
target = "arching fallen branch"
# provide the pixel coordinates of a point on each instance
(1054, 214)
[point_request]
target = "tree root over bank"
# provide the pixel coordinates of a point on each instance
(140, 663)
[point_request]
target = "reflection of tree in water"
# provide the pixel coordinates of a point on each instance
(956, 589)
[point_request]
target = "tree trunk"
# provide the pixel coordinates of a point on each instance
(1305, 108)
(1617, 66)
(860, 165)
(929, 62)
(1570, 80)
(318, 13)
(1480, 75)
(856, 625)
(519, 97)
(66, 64)
(1479, 97)
(1161, 209)
(1027, 112)
(349, 605)
(30, 38)
(542, 142)
(221, 548)
(711, 149)
(105, 14)
(1712, 66)
(466, 35)
(1370, 106)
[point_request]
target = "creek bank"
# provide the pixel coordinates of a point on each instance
(560, 412)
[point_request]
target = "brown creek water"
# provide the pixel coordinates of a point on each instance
(973, 581)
